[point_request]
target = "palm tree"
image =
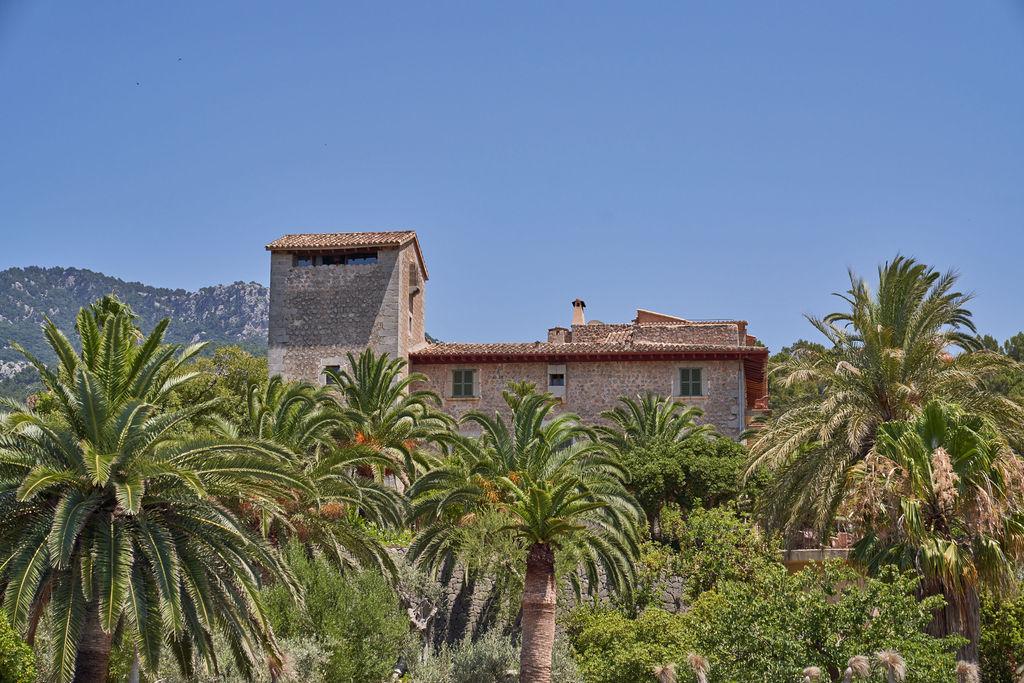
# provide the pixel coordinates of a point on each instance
(943, 495)
(888, 355)
(650, 420)
(387, 415)
(304, 422)
(111, 519)
(557, 489)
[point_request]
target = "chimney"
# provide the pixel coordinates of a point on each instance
(577, 312)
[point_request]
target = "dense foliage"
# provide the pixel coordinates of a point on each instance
(769, 629)
(1002, 638)
(356, 620)
(17, 663)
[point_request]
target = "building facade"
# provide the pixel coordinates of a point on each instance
(340, 292)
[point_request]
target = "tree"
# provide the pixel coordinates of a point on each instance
(558, 491)
(305, 422)
(386, 414)
(783, 395)
(887, 356)
(17, 663)
(113, 523)
(773, 627)
(647, 432)
(943, 495)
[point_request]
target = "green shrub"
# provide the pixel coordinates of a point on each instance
(773, 627)
(714, 546)
(357, 619)
(612, 648)
(17, 663)
(493, 658)
(1002, 638)
(768, 629)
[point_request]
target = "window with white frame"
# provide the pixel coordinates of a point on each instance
(556, 380)
(463, 383)
(330, 371)
(690, 382)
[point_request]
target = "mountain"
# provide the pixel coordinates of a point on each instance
(222, 314)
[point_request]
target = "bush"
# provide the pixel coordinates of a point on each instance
(715, 546)
(1002, 638)
(690, 473)
(17, 663)
(771, 628)
(494, 658)
(357, 619)
(612, 648)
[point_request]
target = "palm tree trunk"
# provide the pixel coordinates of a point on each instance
(92, 662)
(538, 615)
(961, 616)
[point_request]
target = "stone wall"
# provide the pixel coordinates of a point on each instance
(320, 313)
(592, 387)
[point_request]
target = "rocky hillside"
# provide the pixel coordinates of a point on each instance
(222, 314)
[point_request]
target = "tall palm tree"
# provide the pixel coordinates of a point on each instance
(557, 489)
(111, 519)
(304, 422)
(387, 415)
(943, 495)
(888, 355)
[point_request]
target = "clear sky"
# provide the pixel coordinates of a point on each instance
(712, 159)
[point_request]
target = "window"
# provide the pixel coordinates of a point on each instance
(556, 381)
(690, 382)
(335, 259)
(463, 383)
(328, 377)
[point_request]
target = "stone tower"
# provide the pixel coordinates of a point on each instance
(332, 293)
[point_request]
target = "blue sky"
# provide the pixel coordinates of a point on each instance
(713, 159)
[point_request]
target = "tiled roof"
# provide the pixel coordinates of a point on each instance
(342, 240)
(348, 240)
(501, 351)
(754, 358)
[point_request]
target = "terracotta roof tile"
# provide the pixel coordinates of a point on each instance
(341, 240)
(499, 350)
(348, 240)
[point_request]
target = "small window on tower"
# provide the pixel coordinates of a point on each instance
(303, 260)
(556, 379)
(361, 259)
(332, 260)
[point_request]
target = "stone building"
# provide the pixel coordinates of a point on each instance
(340, 292)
